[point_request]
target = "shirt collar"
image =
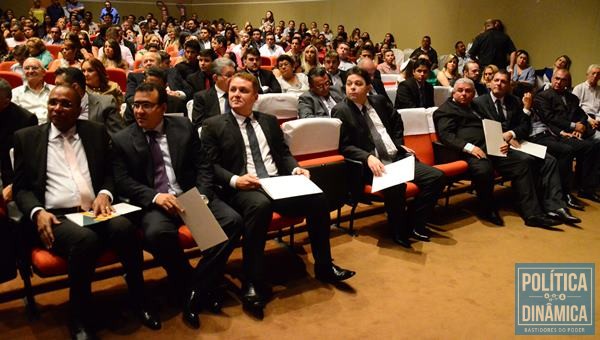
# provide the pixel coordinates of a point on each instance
(158, 128)
(240, 119)
(494, 98)
(55, 132)
(45, 87)
(220, 93)
(85, 100)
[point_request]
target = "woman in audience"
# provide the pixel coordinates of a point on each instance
(37, 49)
(20, 53)
(97, 81)
(449, 73)
(172, 39)
(562, 62)
(488, 74)
(309, 59)
(70, 56)
(140, 40)
(302, 28)
(86, 43)
(290, 81)
(522, 72)
(231, 37)
(268, 20)
(150, 39)
(112, 56)
(389, 40)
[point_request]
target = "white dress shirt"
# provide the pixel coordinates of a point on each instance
(267, 51)
(161, 139)
(385, 137)
(36, 103)
(222, 95)
(85, 107)
(589, 97)
(345, 65)
(329, 103)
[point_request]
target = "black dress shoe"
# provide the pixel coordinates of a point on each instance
(403, 242)
(493, 217)
(419, 236)
(79, 332)
(332, 273)
(563, 215)
(592, 196)
(573, 202)
(190, 310)
(541, 221)
(213, 301)
(254, 301)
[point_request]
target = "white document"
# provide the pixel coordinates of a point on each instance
(280, 187)
(199, 219)
(493, 137)
(396, 173)
(533, 149)
(87, 218)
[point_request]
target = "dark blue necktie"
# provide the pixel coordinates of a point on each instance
(259, 165)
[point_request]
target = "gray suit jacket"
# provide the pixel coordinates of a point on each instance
(311, 106)
(103, 109)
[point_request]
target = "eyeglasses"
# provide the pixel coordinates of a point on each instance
(145, 106)
(323, 86)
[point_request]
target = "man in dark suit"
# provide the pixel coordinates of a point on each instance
(321, 97)
(190, 63)
(266, 80)
(369, 66)
(372, 133)
(415, 91)
(214, 101)
(154, 161)
(472, 70)
(426, 48)
(62, 167)
(559, 110)
(12, 118)
(176, 86)
(501, 106)
(94, 107)
(244, 146)
(492, 46)
(202, 79)
(331, 64)
(459, 125)
(157, 76)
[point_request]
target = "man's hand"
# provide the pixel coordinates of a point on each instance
(477, 152)
(507, 136)
(247, 182)
(593, 123)
(102, 205)
(7, 193)
(573, 134)
(303, 172)
(527, 101)
(504, 148)
(377, 168)
(44, 222)
(579, 127)
(514, 143)
(169, 203)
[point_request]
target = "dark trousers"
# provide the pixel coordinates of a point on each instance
(81, 246)
(257, 210)
(162, 240)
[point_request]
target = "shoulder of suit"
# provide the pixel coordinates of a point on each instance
(127, 132)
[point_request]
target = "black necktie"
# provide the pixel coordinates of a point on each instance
(259, 165)
(499, 109)
(226, 107)
(421, 96)
(161, 181)
(379, 145)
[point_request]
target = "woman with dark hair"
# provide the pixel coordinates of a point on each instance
(44, 27)
(268, 20)
(231, 37)
(290, 81)
(389, 40)
(302, 28)
(97, 81)
(85, 42)
(70, 55)
(112, 55)
(522, 72)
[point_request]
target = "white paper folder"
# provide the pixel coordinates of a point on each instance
(396, 173)
(493, 137)
(199, 219)
(280, 187)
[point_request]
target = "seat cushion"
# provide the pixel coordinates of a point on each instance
(453, 169)
(46, 263)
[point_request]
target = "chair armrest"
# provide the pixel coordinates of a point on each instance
(443, 154)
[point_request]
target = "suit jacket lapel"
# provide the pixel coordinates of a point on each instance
(140, 144)
(234, 129)
(93, 109)
(40, 158)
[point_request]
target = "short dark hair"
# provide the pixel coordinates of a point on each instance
(314, 72)
(251, 50)
(208, 53)
(192, 44)
(457, 43)
(157, 72)
(72, 76)
(285, 57)
(151, 87)
(361, 73)
(422, 62)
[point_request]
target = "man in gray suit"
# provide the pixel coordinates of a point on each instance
(95, 107)
(321, 98)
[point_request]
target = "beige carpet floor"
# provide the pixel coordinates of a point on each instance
(459, 286)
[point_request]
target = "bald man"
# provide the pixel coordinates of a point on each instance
(366, 63)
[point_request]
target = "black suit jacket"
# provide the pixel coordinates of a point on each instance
(356, 141)
(206, 104)
(457, 125)
(197, 81)
(266, 78)
(555, 114)
(174, 81)
(31, 159)
(516, 120)
(225, 149)
(310, 105)
(407, 95)
(132, 161)
(174, 105)
(12, 118)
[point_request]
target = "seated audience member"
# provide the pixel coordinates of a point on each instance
(331, 64)
(309, 59)
(427, 49)
(98, 108)
(240, 48)
(54, 37)
(343, 51)
(70, 56)
(372, 133)
(97, 81)
(472, 71)
(588, 93)
(189, 64)
(460, 51)
(158, 76)
(415, 91)
(522, 71)
(295, 50)
(559, 110)
(501, 106)
(20, 53)
(12, 118)
(449, 74)
(270, 49)
(74, 175)
(169, 149)
(111, 57)
(232, 145)
(377, 86)
(125, 46)
(488, 74)
(562, 62)
(266, 80)
(256, 39)
(37, 49)
(388, 66)
(288, 80)
(459, 125)
(218, 44)
(175, 85)
(205, 38)
(149, 40)
(321, 97)
(17, 38)
(33, 94)
(202, 79)
(213, 101)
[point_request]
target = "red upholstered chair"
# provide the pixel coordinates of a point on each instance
(50, 77)
(136, 64)
(266, 61)
(119, 76)
(267, 67)
(5, 65)
(54, 50)
(13, 78)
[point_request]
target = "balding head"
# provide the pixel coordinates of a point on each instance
(34, 71)
(368, 65)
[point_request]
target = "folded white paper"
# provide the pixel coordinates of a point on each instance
(87, 218)
(280, 187)
(199, 219)
(533, 149)
(396, 173)
(493, 137)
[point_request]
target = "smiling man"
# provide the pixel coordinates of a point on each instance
(33, 95)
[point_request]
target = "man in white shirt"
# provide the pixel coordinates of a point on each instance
(343, 51)
(18, 36)
(588, 93)
(270, 49)
(33, 95)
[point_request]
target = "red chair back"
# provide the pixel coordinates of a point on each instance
(266, 61)
(50, 77)
(119, 76)
(13, 78)
(5, 65)
(54, 50)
